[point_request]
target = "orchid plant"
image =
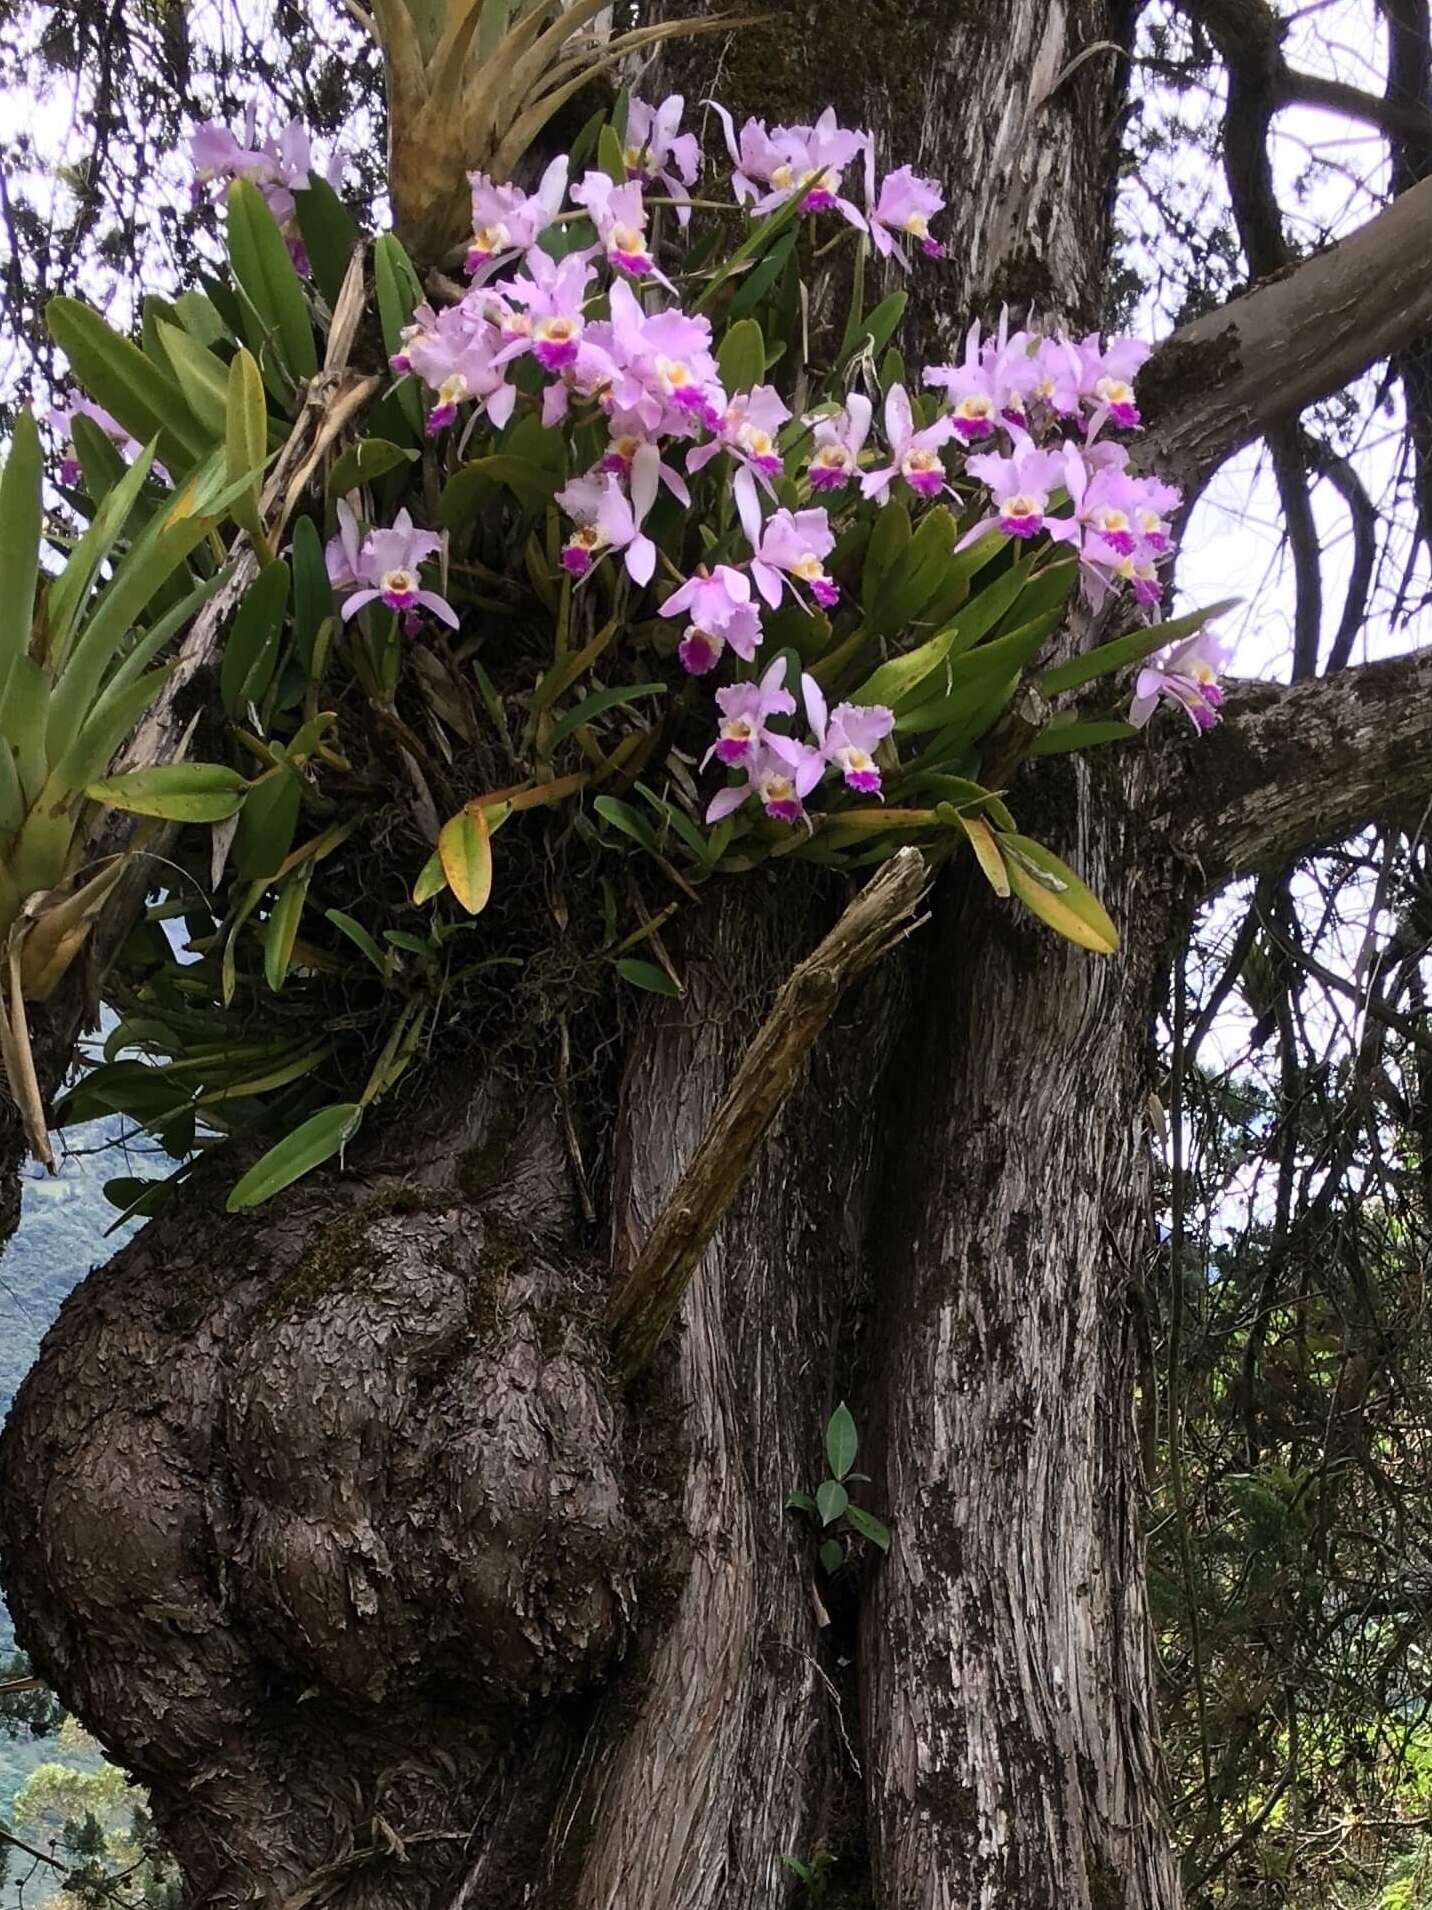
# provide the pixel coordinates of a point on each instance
(607, 551)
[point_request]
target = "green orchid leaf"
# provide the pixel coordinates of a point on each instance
(317, 1140)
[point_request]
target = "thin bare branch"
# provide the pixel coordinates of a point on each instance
(879, 917)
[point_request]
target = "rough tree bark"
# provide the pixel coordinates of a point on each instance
(333, 1522)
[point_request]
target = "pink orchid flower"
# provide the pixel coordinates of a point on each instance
(620, 218)
(61, 419)
(745, 708)
(387, 565)
(627, 438)
(607, 519)
(279, 166)
(914, 455)
(658, 153)
(506, 219)
(713, 599)
(780, 780)
(748, 430)
(1106, 378)
(990, 385)
(1117, 518)
(548, 319)
(837, 443)
(791, 544)
(344, 553)
(661, 366)
(1020, 484)
(807, 160)
(701, 650)
(1187, 676)
(903, 210)
(848, 737)
(457, 357)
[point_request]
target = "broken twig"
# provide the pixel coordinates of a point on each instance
(879, 917)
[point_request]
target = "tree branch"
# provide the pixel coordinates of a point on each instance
(1249, 34)
(1239, 372)
(1291, 768)
(1361, 509)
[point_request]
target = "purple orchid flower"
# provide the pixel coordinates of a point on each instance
(279, 166)
(748, 430)
(837, 444)
(1020, 484)
(344, 553)
(745, 708)
(807, 160)
(1106, 527)
(627, 438)
(1106, 378)
(754, 157)
(1188, 676)
(387, 565)
(620, 218)
(780, 780)
(456, 355)
(713, 599)
(990, 385)
(657, 366)
(506, 219)
(903, 210)
(547, 319)
(658, 153)
(607, 519)
(791, 544)
(914, 455)
(848, 737)
(701, 650)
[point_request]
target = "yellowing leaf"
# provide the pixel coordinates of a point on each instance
(1050, 889)
(986, 850)
(465, 851)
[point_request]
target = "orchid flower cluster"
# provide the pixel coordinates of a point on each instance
(570, 313)
(613, 443)
(279, 165)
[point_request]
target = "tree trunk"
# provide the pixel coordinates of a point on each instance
(333, 1523)
(1004, 1646)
